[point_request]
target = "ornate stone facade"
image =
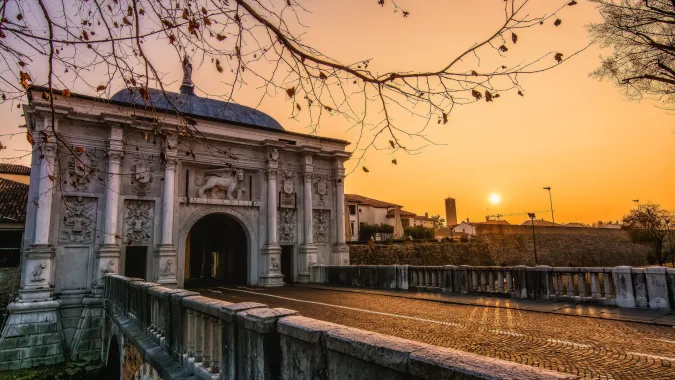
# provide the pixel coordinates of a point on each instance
(142, 173)
(138, 222)
(287, 224)
(79, 220)
(321, 225)
(82, 167)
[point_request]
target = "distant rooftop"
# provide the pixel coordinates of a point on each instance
(368, 201)
(13, 200)
(14, 169)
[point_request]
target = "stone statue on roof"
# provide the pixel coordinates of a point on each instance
(187, 72)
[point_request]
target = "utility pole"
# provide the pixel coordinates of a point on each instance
(550, 198)
(534, 237)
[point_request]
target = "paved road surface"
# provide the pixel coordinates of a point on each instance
(588, 347)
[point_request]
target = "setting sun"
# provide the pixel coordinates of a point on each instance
(495, 198)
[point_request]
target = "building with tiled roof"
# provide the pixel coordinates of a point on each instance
(13, 200)
(17, 173)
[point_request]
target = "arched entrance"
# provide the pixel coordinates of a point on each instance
(216, 252)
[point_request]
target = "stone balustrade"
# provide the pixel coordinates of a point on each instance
(628, 287)
(210, 339)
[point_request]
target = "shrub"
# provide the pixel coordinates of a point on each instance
(419, 232)
(368, 231)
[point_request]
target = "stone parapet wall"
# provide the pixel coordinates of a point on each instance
(581, 248)
(182, 335)
(623, 286)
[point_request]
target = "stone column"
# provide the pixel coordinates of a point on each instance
(38, 266)
(33, 317)
(340, 248)
(109, 254)
(165, 253)
(271, 251)
(308, 249)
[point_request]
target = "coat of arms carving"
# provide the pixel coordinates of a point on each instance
(138, 222)
(79, 214)
(321, 189)
(287, 197)
(142, 176)
(81, 168)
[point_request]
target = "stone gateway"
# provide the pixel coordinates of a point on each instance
(118, 187)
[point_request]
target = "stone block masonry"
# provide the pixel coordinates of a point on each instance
(32, 338)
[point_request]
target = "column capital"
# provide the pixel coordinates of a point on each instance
(115, 156)
(170, 162)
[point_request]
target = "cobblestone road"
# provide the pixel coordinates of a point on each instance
(587, 347)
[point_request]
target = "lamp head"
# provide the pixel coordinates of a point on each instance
(531, 215)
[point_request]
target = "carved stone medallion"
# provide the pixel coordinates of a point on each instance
(287, 225)
(321, 225)
(138, 222)
(79, 219)
(167, 269)
(38, 272)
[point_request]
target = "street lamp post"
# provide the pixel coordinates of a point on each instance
(534, 237)
(550, 198)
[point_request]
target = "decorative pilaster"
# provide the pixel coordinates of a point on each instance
(271, 251)
(308, 249)
(340, 248)
(166, 251)
(109, 254)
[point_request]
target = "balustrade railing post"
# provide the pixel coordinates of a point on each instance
(570, 283)
(558, 285)
(473, 284)
(491, 281)
(191, 332)
(607, 284)
(581, 279)
(500, 281)
(208, 333)
(217, 344)
(199, 337)
(509, 281)
(483, 281)
(595, 285)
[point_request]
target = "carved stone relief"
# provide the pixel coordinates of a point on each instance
(79, 219)
(230, 181)
(82, 166)
(38, 272)
(138, 222)
(274, 264)
(108, 268)
(321, 225)
(287, 225)
(287, 197)
(321, 189)
(142, 177)
(274, 154)
(167, 269)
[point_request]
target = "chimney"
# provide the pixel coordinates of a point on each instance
(426, 214)
(467, 220)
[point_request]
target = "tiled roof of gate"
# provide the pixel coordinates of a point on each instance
(13, 199)
(191, 104)
(14, 169)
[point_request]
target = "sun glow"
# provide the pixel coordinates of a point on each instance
(495, 198)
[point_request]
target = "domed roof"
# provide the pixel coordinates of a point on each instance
(188, 103)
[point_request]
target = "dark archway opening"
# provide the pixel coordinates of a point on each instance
(217, 252)
(113, 363)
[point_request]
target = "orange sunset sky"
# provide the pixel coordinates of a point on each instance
(596, 149)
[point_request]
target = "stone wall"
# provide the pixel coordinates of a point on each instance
(561, 247)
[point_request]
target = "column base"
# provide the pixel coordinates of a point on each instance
(271, 254)
(38, 264)
(166, 264)
(307, 258)
(340, 254)
(28, 324)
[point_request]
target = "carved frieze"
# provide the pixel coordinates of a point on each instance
(138, 222)
(167, 269)
(82, 166)
(287, 224)
(321, 225)
(287, 195)
(229, 182)
(142, 173)
(321, 189)
(79, 219)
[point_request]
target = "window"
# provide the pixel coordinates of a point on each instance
(352, 210)
(352, 228)
(405, 222)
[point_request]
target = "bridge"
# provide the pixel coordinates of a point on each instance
(364, 322)
(156, 332)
